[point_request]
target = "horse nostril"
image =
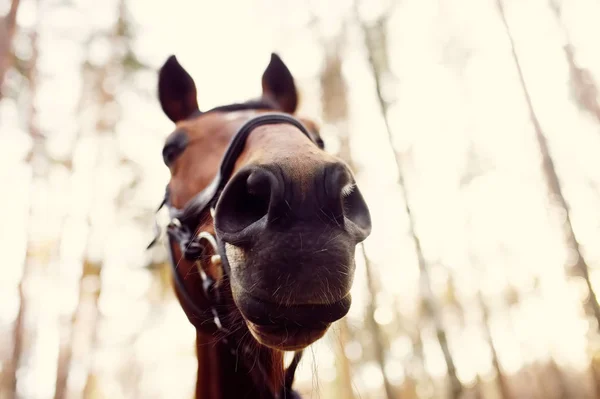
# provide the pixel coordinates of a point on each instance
(344, 201)
(337, 179)
(244, 201)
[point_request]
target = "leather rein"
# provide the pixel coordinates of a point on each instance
(196, 246)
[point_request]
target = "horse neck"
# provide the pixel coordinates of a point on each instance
(223, 375)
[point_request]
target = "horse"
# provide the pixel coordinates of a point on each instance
(263, 230)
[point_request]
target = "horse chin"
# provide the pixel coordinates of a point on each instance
(289, 327)
(285, 338)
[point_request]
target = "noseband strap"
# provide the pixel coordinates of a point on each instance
(197, 247)
(210, 195)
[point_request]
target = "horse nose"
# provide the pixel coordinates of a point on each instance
(320, 188)
(260, 197)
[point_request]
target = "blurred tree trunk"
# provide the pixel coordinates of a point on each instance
(74, 327)
(38, 254)
(342, 365)
(558, 387)
(378, 335)
(552, 182)
(85, 328)
(334, 95)
(106, 78)
(595, 371)
(86, 317)
(375, 39)
(8, 26)
(503, 385)
(476, 167)
(583, 87)
(77, 329)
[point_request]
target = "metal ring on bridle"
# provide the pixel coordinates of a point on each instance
(210, 239)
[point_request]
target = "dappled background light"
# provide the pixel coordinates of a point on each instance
(437, 115)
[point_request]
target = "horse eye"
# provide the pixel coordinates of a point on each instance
(174, 147)
(170, 153)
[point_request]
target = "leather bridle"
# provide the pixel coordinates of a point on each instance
(197, 246)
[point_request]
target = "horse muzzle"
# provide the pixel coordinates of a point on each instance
(289, 327)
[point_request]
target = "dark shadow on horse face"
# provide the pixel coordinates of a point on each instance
(290, 216)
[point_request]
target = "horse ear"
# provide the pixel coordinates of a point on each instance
(278, 85)
(176, 91)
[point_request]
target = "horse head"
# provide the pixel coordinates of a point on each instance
(286, 214)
